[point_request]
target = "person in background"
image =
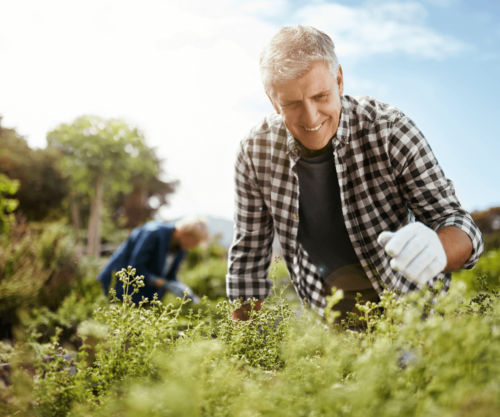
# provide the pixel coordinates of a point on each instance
(156, 251)
(349, 184)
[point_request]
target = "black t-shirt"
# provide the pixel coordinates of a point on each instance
(322, 230)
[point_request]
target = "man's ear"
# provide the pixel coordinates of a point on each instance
(276, 107)
(340, 81)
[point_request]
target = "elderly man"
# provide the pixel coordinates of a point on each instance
(349, 184)
(156, 250)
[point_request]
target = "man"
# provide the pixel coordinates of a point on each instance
(350, 185)
(156, 250)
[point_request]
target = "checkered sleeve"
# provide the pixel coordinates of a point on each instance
(424, 187)
(251, 251)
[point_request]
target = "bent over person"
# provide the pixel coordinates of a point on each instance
(349, 184)
(156, 251)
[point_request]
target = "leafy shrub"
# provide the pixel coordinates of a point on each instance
(7, 205)
(41, 276)
(488, 222)
(79, 306)
(37, 268)
(424, 354)
(488, 265)
(203, 253)
(207, 278)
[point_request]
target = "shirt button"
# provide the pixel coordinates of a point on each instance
(295, 217)
(295, 151)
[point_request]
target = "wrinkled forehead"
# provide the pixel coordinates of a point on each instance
(319, 80)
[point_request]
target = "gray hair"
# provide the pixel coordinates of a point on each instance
(196, 225)
(292, 51)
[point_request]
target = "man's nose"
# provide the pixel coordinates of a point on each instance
(310, 117)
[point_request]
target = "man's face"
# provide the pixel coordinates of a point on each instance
(310, 105)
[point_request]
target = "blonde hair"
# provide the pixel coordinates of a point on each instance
(291, 52)
(196, 225)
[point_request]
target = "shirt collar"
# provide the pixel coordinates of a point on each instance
(342, 131)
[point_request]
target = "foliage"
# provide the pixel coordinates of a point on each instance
(7, 205)
(95, 147)
(488, 265)
(107, 157)
(44, 282)
(425, 354)
(37, 267)
(85, 297)
(203, 253)
(492, 240)
(488, 222)
(207, 278)
(42, 186)
(256, 342)
(112, 150)
(205, 267)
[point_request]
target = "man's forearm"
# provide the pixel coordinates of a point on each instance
(457, 246)
(243, 313)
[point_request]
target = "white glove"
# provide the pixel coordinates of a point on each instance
(416, 252)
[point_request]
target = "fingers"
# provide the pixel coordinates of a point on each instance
(414, 270)
(409, 253)
(431, 271)
(384, 237)
(416, 251)
(399, 241)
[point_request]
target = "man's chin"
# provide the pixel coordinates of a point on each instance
(313, 143)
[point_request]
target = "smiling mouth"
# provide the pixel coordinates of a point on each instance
(314, 128)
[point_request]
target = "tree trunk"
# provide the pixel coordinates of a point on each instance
(75, 217)
(94, 230)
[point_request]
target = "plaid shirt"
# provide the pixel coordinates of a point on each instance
(388, 177)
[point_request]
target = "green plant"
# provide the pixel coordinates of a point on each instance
(7, 205)
(256, 342)
(38, 268)
(424, 354)
(488, 266)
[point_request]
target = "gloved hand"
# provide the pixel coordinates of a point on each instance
(178, 288)
(417, 252)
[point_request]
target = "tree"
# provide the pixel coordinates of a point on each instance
(135, 208)
(488, 222)
(103, 156)
(43, 187)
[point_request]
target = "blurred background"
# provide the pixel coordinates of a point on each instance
(115, 112)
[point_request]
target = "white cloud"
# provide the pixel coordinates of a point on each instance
(380, 28)
(264, 8)
(186, 72)
(443, 3)
(114, 59)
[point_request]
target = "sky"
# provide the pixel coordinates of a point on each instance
(186, 72)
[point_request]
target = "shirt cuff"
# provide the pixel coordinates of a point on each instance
(247, 288)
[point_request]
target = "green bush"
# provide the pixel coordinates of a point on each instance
(7, 205)
(488, 266)
(85, 297)
(37, 268)
(43, 281)
(203, 253)
(207, 278)
(424, 354)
